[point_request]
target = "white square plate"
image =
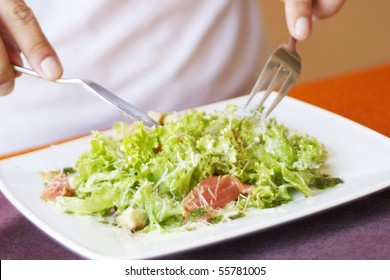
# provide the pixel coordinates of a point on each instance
(360, 156)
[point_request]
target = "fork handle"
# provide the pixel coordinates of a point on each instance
(291, 44)
(31, 72)
(25, 71)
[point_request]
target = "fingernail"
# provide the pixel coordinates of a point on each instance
(302, 28)
(50, 68)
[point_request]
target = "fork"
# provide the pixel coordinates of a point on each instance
(281, 71)
(126, 108)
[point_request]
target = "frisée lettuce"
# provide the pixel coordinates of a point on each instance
(196, 167)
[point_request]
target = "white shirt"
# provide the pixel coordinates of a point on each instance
(157, 55)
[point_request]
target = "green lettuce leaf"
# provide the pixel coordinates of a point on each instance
(155, 168)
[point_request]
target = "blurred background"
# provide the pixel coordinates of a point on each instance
(357, 37)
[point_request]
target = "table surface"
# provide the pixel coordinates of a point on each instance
(357, 230)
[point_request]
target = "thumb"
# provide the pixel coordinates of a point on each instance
(24, 29)
(299, 18)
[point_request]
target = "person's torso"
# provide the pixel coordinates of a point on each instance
(160, 57)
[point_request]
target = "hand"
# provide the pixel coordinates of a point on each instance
(20, 32)
(301, 13)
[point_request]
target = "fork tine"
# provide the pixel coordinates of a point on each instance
(272, 85)
(285, 88)
(281, 71)
(261, 80)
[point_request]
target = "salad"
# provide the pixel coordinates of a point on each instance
(196, 168)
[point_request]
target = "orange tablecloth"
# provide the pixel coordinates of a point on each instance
(358, 230)
(362, 96)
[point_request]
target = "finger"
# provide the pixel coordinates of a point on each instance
(326, 8)
(299, 18)
(13, 54)
(26, 32)
(7, 76)
(12, 49)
